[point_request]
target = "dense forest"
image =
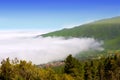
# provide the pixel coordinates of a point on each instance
(104, 68)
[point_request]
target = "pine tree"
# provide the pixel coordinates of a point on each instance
(100, 71)
(87, 74)
(73, 67)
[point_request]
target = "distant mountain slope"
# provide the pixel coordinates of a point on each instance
(107, 30)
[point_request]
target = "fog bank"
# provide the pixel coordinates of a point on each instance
(42, 50)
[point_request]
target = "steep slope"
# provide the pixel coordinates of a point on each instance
(107, 30)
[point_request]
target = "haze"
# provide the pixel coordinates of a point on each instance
(16, 44)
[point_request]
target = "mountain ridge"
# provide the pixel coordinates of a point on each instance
(107, 30)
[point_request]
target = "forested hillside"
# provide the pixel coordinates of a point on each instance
(107, 30)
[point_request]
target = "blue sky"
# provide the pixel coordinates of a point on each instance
(54, 14)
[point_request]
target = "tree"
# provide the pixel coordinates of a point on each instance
(7, 72)
(87, 74)
(100, 71)
(73, 67)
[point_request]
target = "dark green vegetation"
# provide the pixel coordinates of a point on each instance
(107, 30)
(105, 68)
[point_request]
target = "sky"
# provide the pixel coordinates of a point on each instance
(54, 14)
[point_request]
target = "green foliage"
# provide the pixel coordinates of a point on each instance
(7, 72)
(58, 69)
(107, 30)
(104, 68)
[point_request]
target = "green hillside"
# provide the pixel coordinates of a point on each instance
(107, 30)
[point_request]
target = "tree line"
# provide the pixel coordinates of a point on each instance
(105, 68)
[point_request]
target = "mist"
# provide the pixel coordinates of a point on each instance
(42, 49)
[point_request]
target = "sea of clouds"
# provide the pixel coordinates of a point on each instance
(24, 45)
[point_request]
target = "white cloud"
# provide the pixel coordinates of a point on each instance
(7, 34)
(42, 50)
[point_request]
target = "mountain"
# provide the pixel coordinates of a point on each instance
(107, 30)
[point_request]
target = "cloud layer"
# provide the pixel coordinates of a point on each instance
(42, 50)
